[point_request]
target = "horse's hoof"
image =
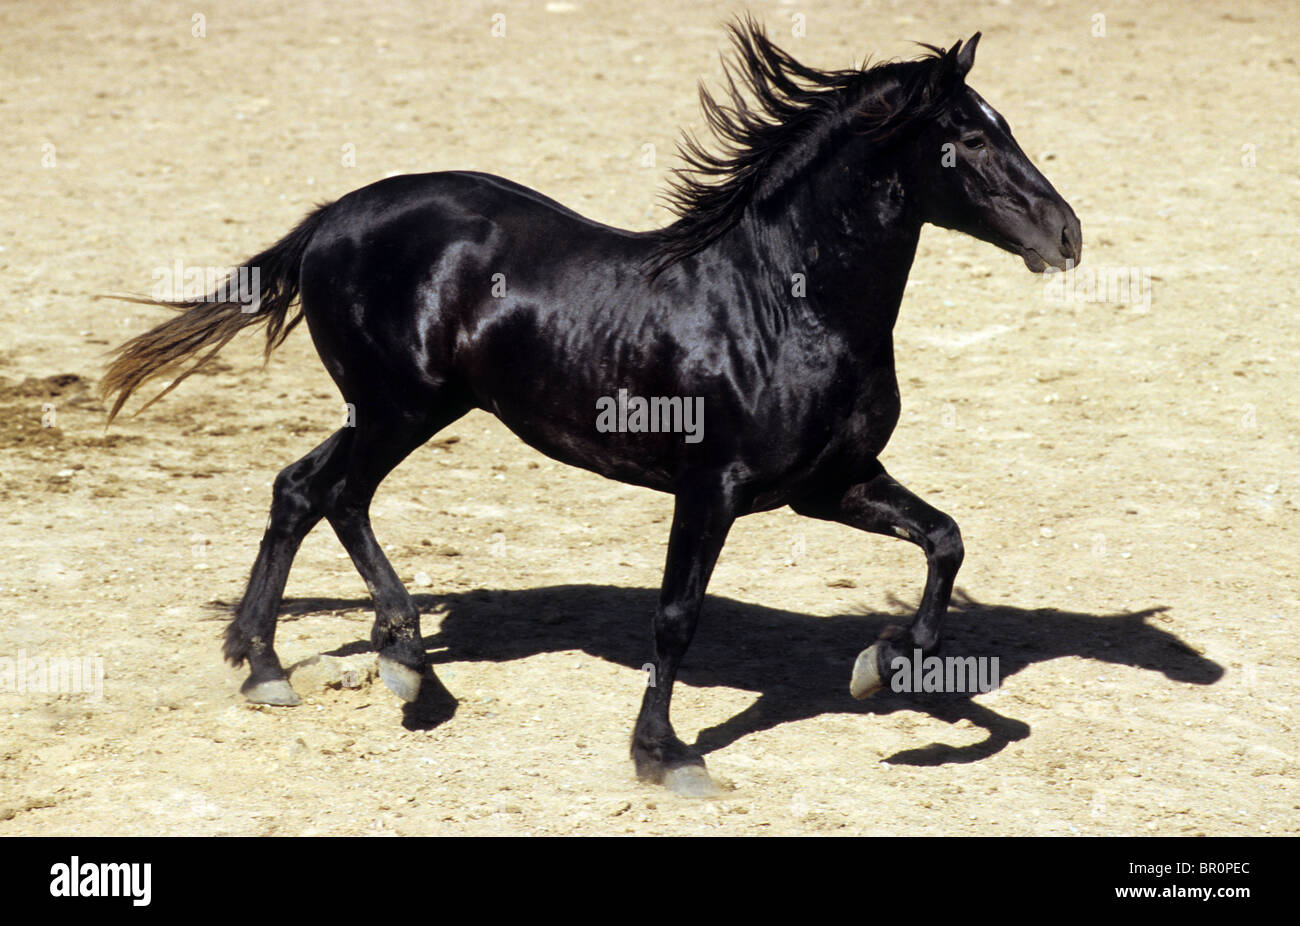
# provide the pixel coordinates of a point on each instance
(401, 680)
(690, 781)
(866, 679)
(272, 691)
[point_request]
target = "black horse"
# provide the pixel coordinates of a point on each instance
(769, 303)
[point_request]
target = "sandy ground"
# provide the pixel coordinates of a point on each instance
(1123, 468)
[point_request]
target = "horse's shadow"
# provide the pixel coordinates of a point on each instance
(799, 665)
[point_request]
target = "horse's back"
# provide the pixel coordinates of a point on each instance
(418, 284)
(423, 258)
(439, 206)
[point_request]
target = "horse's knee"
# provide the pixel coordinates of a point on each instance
(674, 626)
(945, 545)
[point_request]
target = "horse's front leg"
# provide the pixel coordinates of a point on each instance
(882, 506)
(703, 514)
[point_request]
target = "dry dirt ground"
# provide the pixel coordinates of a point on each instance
(1123, 465)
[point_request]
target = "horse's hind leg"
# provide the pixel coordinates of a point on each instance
(382, 441)
(337, 481)
(294, 512)
(882, 506)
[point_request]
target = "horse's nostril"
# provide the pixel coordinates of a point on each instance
(1069, 244)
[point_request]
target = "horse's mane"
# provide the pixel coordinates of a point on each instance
(791, 112)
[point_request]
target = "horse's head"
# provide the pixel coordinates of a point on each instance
(968, 174)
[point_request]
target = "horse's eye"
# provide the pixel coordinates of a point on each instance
(974, 142)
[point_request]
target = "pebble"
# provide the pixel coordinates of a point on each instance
(322, 672)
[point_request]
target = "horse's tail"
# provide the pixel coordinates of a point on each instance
(206, 324)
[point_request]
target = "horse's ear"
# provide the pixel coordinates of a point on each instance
(952, 65)
(965, 55)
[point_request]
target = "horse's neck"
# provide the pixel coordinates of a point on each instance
(851, 233)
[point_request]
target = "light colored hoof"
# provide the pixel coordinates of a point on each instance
(690, 781)
(401, 680)
(866, 679)
(275, 691)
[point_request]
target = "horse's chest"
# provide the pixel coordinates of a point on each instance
(877, 415)
(868, 419)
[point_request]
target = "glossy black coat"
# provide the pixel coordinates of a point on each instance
(773, 299)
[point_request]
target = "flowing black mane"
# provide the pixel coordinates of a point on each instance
(792, 113)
